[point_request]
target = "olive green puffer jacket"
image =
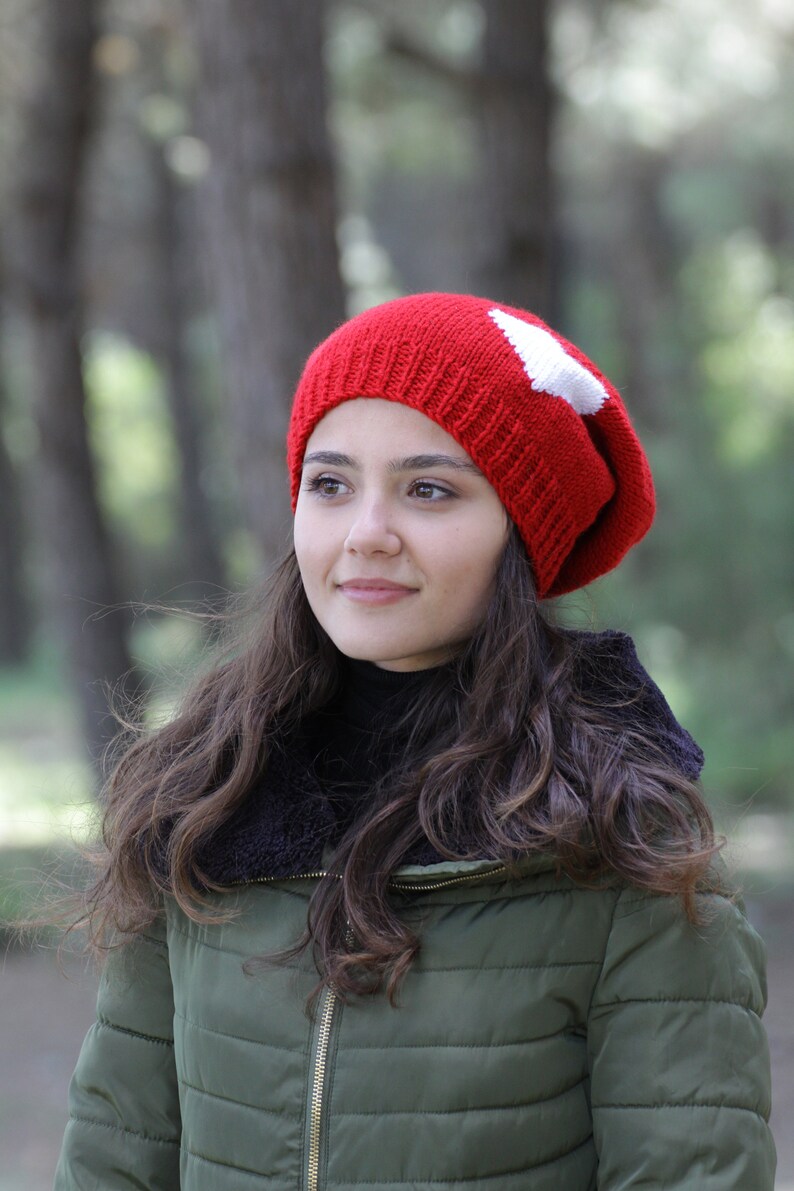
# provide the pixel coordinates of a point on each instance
(548, 1038)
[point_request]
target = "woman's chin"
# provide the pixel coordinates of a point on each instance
(395, 656)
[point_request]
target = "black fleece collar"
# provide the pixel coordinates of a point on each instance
(283, 825)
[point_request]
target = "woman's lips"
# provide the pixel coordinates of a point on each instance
(375, 595)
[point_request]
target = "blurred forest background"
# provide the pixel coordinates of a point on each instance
(193, 195)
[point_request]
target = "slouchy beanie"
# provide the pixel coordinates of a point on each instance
(543, 424)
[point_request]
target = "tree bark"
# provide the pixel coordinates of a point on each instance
(14, 612)
(271, 222)
(50, 170)
(201, 554)
(515, 113)
(643, 262)
(512, 101)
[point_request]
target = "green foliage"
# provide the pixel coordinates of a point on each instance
(46, 784)
(696, 102)
(703, 94)
(132, 438)
(45, 780)
(748, 358)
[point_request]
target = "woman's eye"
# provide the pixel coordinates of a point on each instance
(324, 485)
(424, 490)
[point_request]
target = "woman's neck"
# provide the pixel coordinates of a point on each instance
(369, 692)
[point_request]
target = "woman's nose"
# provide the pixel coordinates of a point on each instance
(372, 530)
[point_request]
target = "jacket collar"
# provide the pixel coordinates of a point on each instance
(285, 825)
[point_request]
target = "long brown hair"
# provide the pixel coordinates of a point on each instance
(506, 755)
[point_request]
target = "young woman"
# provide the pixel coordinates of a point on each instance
(418, 890)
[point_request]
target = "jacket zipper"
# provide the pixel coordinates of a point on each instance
(327, 1006)
(318, 1087)
(396, 884)
(461, 880)
(318, 1080)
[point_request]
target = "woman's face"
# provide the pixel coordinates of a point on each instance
(397, 534)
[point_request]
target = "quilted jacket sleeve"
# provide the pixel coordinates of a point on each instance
(679, 1060)
(124, 1125)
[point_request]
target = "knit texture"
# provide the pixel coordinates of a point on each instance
(544, 425)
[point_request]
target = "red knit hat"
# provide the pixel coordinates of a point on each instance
(544, 426)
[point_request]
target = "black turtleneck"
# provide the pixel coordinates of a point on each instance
(285, 832)
(353, 740)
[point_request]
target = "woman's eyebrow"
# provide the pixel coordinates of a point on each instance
(409, 463)
(421, 462)
(330, 459)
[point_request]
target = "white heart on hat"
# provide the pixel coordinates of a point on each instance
(548, 365)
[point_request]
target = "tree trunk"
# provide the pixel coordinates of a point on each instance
(515, 112)
(516, 244)
(270, 219)
(201, 555)
(14, 617)
(50, 170)
(643, 262)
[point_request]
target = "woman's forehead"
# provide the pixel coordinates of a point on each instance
(373, 423)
